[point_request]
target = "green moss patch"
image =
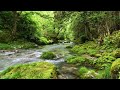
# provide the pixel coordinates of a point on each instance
(48, 55)
(85, 73)
(115, 68)
(39, 70)
(90, 48)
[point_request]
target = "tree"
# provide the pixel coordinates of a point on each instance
(16, 15)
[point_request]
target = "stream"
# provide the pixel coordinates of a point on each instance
(21, 56)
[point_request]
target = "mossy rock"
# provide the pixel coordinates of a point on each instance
(115, 69)
(116, 53)
(39, 70)
(98, 55)
(69, 46)
(85, 73)
(91, 75)
(82, 71)
(48, 55)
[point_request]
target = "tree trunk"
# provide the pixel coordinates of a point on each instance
(15, 17)
(107, 28)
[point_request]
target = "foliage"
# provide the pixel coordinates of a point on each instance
(48, 55)
(113, 40)
(86, 48)
(4, 36)
(75, 59)
(107, 74)
(39, 70)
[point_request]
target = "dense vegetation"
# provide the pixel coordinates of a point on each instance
(95, 34)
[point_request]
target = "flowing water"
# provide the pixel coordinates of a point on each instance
(21, 56)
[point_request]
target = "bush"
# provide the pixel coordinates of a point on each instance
(4, 36)
(48, 55)
(113, 40)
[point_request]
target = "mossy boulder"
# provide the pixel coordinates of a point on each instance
(115, 69)
(82, 71)
(116, 53)
(91, 75)
(85, 73)
(39, 70)
(48, 55)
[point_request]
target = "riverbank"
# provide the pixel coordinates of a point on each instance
(19, 44)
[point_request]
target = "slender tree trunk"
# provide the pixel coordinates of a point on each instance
(15, 17)
(107, 28)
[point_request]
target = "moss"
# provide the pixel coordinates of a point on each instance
(98, 55)
(75, 59)
(115, 68)
(116, 53)
(48, 55)
(86, 48)
(91, 75)
(82, 71)
(85, 73)
(39, 70)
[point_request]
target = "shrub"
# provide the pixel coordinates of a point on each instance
(113, 40)
(43, 40)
